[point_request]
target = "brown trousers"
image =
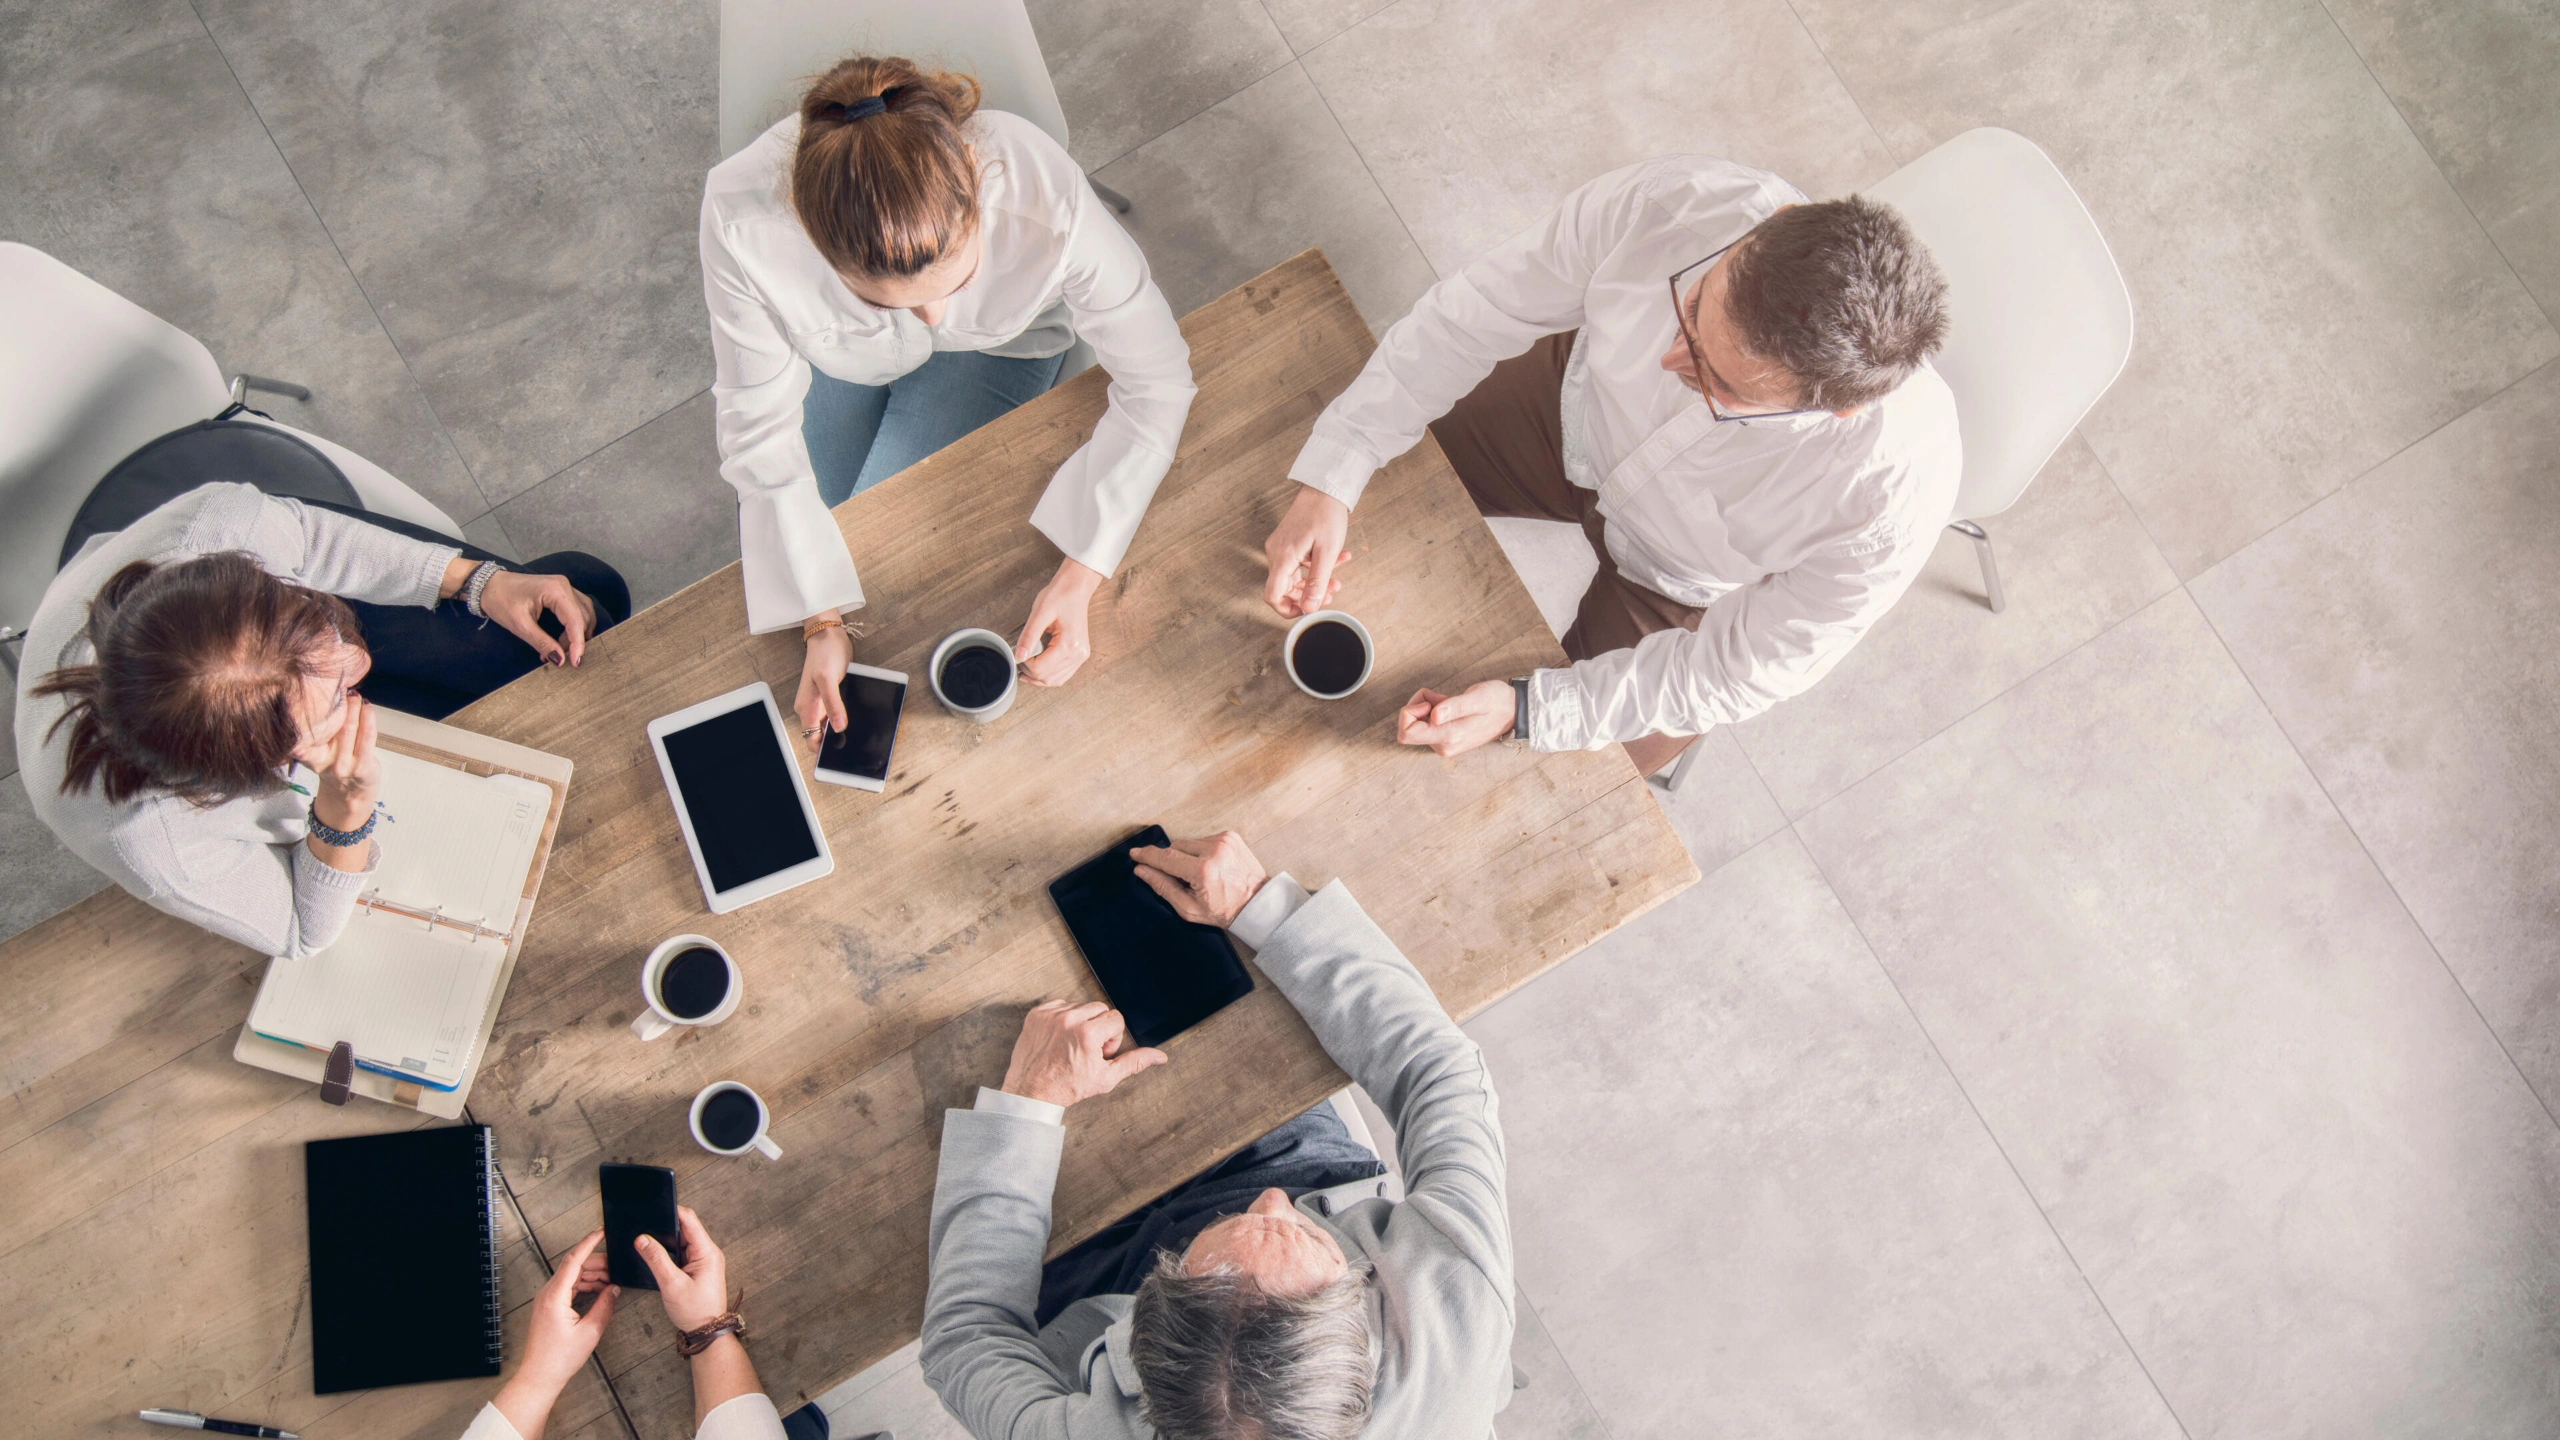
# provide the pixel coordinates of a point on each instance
(1506, 441)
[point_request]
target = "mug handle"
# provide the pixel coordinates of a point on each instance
(649, 1025)
(766, 1148)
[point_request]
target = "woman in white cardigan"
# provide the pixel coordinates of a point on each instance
(886, 270)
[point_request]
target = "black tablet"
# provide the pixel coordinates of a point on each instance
(1163, 973)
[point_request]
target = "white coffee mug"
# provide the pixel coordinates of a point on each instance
(762, 1143)
(990, 640)
(1289, 651)
(656, 1019)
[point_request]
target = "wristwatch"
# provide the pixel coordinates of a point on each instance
(1519, 709)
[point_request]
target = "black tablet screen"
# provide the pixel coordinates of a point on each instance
(737, 788)
(1162, 972)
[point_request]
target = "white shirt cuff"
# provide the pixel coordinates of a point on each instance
(1005, 1102)
(1277, 900)
(491, 1424)
(752, 1416)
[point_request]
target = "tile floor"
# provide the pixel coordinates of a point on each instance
(2130, 1015)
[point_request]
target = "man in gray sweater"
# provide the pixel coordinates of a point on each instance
(1280, 1320)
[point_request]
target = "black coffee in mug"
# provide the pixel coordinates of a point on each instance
(1329, 657)
(974, 676)
(693, 983)
(729, 1119)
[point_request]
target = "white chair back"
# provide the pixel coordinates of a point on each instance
(86, 377)
(2042, 320)
(771, 49)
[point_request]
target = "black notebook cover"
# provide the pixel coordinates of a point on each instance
(404, 1259)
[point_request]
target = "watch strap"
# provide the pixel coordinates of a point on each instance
(690, 1343)
(1519, 709)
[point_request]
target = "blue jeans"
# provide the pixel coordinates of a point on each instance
(860, 435)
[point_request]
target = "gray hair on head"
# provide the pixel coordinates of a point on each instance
(1842, 295)
(1220, 1359)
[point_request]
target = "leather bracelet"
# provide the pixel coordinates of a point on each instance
(478, 582)
(812, 629)
(331, 835)
(690, 1343)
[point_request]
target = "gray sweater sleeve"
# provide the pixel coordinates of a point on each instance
(1378, 1019)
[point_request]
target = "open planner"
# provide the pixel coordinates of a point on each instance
(414, 981)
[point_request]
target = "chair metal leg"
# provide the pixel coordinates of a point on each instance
(1991, 590)
(1111, 197)
(10, 639)
(1519, 1378)
(242, 384)
(1680, 769)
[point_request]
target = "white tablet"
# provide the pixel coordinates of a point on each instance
(739, 797)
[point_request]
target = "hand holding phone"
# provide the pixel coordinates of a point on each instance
(858, 755)
(638, 1200)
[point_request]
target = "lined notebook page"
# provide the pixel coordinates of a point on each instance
(458, 843)
(406, 994)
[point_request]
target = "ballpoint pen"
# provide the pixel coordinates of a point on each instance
(190, 1420)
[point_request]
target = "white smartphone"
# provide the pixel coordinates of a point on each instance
(858, 755)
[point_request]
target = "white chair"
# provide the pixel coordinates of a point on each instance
(771, 49)
(2041, 320)
(87, 377)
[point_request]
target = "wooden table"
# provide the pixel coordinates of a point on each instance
(154, 1244)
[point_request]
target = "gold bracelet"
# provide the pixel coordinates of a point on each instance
(690, 1343)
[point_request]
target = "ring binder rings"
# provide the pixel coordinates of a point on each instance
(404, 1224)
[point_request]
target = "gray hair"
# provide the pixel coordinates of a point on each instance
(1842, 295)
(1220, 1359)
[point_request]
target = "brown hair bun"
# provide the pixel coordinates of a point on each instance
(883, 179)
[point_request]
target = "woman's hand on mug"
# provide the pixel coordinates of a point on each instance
(696, 1293)
(1055, 641)
(820, 703)
(516, 601)
(557, 1338)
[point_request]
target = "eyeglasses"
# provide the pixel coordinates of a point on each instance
(1680, 283)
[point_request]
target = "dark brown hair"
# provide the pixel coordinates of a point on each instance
(190, 689)
(1842, 295)
(890, 192)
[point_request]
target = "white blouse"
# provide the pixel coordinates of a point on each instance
(1794, 534)
(1057, 266)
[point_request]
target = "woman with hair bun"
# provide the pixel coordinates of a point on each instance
(887, 269)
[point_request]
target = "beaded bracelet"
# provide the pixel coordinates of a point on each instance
(478, 582)
(331, 835)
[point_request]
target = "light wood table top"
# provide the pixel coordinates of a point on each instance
(154, 1251)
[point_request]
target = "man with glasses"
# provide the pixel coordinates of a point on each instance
(1726, 387)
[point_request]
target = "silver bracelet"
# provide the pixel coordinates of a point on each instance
(478, 582)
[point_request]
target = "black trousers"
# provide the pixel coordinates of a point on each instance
(432, 662)
(1312, 1152)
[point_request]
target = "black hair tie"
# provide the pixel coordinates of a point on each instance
(864, 108)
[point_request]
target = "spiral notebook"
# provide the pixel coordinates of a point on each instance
(404, 1258)
(411, 977)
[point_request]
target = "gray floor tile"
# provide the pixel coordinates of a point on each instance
(2075, 560)
(8, 727)
(2406, 633)
(490, 535)
(1250, 182)
(1309, 23)
(2273, 217)
(517, 184)
(1749, 1200)
(2475, 82)
(890, 1396)
(1477, 116)
(2309, 1187)
(652, 504)
(43, 877)
(1127, 71)
(140, 165)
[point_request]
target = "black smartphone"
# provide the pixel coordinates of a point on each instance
(1163, 973)
(638, 1200)
(858, 755)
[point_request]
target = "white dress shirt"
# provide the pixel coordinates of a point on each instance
(745, 1417)
(1056, 266)
(1792, 534)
